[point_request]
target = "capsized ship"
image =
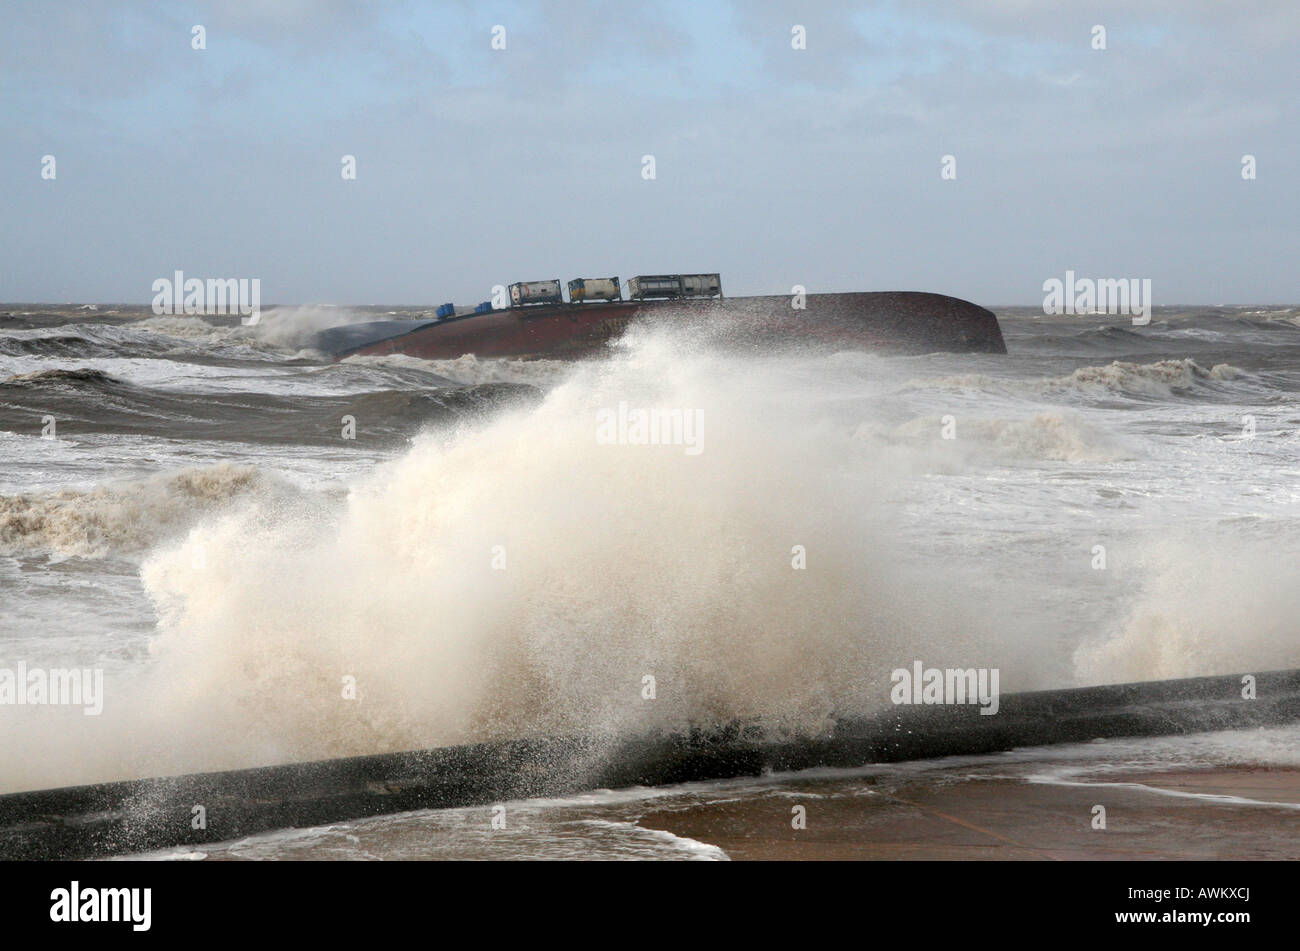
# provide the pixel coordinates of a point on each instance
(539, 322)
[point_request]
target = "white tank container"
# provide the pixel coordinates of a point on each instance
(535, 292)
(594, 288)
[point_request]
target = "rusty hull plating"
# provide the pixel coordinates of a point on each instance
(890, 321)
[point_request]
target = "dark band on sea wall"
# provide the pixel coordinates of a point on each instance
(123, 817)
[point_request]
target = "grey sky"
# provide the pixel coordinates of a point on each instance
(774, 166)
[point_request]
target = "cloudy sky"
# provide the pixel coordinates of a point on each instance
(774, 166)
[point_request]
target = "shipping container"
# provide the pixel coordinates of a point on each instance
(447, 310)
(536, 292)
(701, 285)
(654, 285)
(594, 288)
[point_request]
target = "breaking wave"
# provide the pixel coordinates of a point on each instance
(518, 577)
(1202, 607)
(510, 574)
(1159, 380)
(469, 369)
(1055, 437)
(124, 518)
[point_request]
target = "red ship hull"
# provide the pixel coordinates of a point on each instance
(895, 321)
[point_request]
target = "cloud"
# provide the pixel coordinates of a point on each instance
(775, 165)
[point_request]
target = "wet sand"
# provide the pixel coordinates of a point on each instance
(1010, 819)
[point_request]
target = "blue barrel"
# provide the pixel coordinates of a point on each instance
(447, 310)
(483, 308)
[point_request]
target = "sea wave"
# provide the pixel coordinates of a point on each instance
(1230, 604)
(1055, 437)
(125, 518)
(470, 369)
(1159, 380)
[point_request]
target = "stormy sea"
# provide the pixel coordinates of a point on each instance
(276, 558)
